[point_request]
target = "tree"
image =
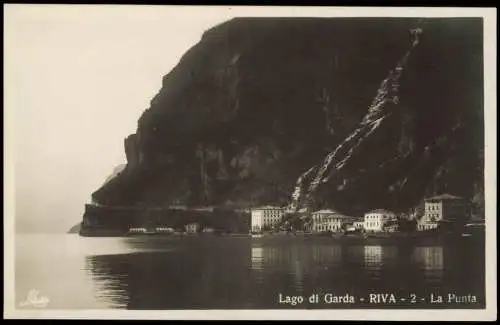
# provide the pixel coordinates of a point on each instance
(407, 225)
(266, 228)
(307, 222)
(390, 224)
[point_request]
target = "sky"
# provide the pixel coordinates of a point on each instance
(77, 78)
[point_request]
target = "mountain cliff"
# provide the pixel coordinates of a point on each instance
(259, 102)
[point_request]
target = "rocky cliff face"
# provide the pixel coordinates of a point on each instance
(259, 102)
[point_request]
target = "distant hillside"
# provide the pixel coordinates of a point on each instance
(116, 171)
(75, 229)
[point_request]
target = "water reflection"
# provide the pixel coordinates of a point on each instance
(373, 256)
(226, 273)
(327, 254)
(301, 263)
(112, 290)
(268, 255)
(431, 260)
(376, 256)
(257, 258)
(196, 274)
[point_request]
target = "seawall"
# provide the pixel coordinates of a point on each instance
(116, 221)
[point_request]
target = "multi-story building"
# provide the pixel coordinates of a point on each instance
(358, 224)
(265, 217)
(192, 227)
(164, 229)
(329, 220)
(380, 220)
(442, 208)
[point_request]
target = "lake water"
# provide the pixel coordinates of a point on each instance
(212, 272)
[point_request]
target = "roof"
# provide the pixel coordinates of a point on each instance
(326, 211)
(267, 207)
(337, 216)
(444, 197)
(326, 219)
(380, 211)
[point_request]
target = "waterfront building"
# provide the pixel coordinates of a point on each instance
(137, 230)
(165, 229)
(358, 223)
(192, 227)
(442, 208)
(265, 217)
(178, 207)
(208, 229)
(329, 220)
(380, 220)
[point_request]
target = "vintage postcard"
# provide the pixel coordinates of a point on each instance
(171, 162)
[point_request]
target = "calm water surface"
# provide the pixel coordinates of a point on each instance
(210, 272)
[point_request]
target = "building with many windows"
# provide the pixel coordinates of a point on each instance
(265, 217)
(192, 228)
(380, 220)
(442, 208)
(329, 220)
(358, 224)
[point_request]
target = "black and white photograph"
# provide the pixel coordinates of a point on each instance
(178, 162)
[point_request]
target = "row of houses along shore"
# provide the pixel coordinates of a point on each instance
(438, 210)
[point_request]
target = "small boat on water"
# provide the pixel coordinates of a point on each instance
(257, 235)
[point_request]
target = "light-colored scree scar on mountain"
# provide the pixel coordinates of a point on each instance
(385, 101)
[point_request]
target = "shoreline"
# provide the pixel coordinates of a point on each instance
(333, 237)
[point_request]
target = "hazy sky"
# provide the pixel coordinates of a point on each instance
(77, 78)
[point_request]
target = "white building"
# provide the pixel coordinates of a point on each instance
(378, 220)
(440, 208)
(359, 224)
(266, 217)
(136, 230)
(165, 229)
(329, 220)
(192, 227)
(356, 225)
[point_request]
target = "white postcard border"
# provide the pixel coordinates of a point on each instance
(489, 16)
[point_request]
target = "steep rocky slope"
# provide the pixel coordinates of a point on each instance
(257, 102)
